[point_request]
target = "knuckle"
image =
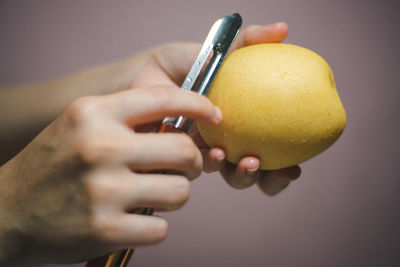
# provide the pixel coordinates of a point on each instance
(195, 171)
(189, 156)
(92, 149)
(81, 109)
(100, 188)
(187, 149)
(181, 192)
(158, 231)
(102, 229)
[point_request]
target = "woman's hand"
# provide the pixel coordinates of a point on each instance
(66, 197)
(166, 66)
(169, 65)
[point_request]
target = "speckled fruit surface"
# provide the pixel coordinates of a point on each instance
(279, 103)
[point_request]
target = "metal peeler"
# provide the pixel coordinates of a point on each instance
(218, 42)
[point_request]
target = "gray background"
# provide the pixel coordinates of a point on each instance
(343, 211)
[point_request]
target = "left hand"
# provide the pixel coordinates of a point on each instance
(169, 64)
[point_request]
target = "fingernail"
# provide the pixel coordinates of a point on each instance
(219, 156)
(253, 161)
(218, 114)
(251, 172)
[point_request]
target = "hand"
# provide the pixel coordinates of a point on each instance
(168, 65)
(66, 197)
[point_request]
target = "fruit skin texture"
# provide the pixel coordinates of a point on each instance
(279, 103)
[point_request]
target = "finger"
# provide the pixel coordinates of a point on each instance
(213, 159)
(273, 182)
(165, 151)
(249, 164)
(158, 191)
(147, 151)
(124, 190)
(178, 66)
(176, 59)
(149, 104)
(273, 33)
(243, 175)
(291, 173)
(133, 230)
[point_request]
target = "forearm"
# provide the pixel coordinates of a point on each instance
(26, 109)
(29, 106)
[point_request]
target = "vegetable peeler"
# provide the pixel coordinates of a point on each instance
(217, 44)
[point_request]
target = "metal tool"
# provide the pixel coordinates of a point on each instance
(218, 42)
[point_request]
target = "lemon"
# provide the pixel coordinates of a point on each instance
(279, 103)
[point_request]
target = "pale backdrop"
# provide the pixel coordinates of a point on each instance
(343, 211)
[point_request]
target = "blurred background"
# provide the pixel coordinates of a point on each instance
(344, 209)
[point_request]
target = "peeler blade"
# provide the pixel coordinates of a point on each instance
(219, 40)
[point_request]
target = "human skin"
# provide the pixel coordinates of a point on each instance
(66, 196)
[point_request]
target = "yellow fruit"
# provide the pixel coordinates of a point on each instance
(279, 103)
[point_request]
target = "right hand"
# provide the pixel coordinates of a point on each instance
(175, 60)
(66, 197)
